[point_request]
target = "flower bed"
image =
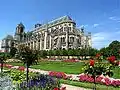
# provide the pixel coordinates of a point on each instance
(42, 82)
(82, 77)
(21, 68)
(35, 82)
(71, 60)
(101, 79)
(59, 75)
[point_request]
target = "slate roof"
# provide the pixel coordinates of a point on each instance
(8, 37)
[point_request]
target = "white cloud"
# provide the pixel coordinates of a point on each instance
(103, 39)
(83, 26)
(95, 25)
(114, 18)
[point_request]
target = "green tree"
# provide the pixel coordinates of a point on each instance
(64, 52)
(83, 53)
(71, 52)
(112, 49)
(28, 56)
(13, 51)
(57, 53)
(43, 53)
(92, 51)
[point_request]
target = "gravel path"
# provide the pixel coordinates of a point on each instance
(70, 87)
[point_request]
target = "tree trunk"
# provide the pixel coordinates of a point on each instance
(27, 71)
(1, 66)
(94, 83)
(68, 57)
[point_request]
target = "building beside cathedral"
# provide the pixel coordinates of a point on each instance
(60, 33)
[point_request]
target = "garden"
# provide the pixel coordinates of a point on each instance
(47, 70)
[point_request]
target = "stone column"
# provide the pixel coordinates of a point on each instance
(50, 43)
(45, 39)
(40, 44)
(36, 45)
(67, 39)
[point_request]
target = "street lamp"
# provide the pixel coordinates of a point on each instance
(2, 57)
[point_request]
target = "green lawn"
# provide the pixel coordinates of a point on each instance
(89, 85)
(69, 68)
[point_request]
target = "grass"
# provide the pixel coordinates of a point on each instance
(69, 68)
(89, 85)
(116, 72)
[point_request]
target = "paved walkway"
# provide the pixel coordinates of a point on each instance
(70, 87)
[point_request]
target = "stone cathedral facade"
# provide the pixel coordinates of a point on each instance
(60, 33)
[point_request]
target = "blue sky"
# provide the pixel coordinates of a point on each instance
(101, 17)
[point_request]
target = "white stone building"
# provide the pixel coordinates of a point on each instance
(60, 33)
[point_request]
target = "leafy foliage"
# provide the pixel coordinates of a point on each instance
(13, 51)
(112, 49)
(27, 55)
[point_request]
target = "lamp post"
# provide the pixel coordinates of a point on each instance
(2, 57)
(1, 61)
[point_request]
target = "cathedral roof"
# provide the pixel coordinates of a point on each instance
(56, 21)
(8, 37)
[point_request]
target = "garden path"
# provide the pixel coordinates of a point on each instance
(70, 87)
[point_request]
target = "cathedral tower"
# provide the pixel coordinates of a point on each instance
(19, 32)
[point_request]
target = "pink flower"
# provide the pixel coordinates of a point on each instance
(115, 83)
(107, 81)
(21, 68)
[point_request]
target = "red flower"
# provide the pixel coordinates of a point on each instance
(58, 74)
(92, 62)
(21, 68)
(98, 55)
(56, 88)
(111, 59)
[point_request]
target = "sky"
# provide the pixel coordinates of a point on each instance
(100, 17)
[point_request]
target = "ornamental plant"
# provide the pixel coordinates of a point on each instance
(95, 69)
(28, 56)
(100, 79)
(41, 82)
(70, 60)
(59, 75)
(112, 60)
